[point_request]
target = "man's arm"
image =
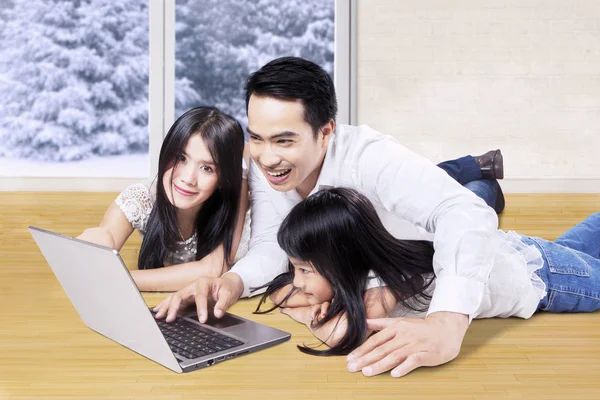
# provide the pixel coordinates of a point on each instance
(411, 187)
(462, 224)
(263, 262)
(265, 259)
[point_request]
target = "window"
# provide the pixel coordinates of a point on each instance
(74, 88)
(88, 89)
(218, 43)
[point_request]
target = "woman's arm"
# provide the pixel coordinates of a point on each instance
(115, 229)
(113, 232)
(175, 277)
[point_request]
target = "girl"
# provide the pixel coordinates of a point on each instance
(191, 218)
(335, 237)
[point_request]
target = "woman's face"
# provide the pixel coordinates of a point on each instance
(306, 278)
(194, 179)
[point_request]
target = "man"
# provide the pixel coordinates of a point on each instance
(297, 149)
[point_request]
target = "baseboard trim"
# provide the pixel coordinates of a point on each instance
(509, 185)
(555, 185)
(66, 184)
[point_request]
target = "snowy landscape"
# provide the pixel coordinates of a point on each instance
(74, 75)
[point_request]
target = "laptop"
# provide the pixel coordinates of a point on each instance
(106, 298)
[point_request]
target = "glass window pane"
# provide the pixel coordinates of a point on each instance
(74, 88)
(220, 42)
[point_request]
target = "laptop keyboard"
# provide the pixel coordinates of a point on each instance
(193, 341)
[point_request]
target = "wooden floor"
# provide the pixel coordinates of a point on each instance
(47, 352)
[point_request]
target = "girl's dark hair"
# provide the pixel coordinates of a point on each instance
(294, 78)
(339, 232)
(215, 223)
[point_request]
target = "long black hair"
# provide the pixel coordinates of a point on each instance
(215, 223)
(339, 232)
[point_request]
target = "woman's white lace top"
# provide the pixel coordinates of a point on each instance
(136, 202)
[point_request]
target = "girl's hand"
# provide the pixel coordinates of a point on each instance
(307, 314)
(319, 311)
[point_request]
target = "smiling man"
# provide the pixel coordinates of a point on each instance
(297, 149)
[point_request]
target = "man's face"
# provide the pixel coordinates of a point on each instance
(283, 145)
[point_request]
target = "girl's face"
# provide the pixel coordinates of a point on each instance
(316, 288)
(194, 179)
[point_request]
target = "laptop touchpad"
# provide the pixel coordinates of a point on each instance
(226, 321)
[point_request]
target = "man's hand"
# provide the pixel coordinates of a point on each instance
(225, 291)
(405, 344)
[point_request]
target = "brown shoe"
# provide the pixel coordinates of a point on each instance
(500, 202)
(491, 164)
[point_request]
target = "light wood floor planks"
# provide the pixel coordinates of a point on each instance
(47, 352)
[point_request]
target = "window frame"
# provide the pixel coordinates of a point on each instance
(161, 95)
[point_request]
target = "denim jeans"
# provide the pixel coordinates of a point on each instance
(571, 268)
(466, 171)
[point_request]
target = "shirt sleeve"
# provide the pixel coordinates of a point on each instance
(265, 259)
(244, 169)
(136, 203)
(462, 224)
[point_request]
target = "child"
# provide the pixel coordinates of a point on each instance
(334, 237)
(191, 218)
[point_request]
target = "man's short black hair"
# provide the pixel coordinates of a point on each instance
(294, 78)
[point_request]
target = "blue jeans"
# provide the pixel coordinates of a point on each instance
(571, 268)
(466, 171)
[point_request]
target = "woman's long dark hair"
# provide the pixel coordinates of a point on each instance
(215, 223)
(339, 232)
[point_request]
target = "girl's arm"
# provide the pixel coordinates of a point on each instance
(330, 333)
(298, 299)
(378, 303)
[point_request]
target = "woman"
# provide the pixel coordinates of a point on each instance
(191, 218)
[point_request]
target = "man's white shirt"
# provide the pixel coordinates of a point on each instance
(414, 199)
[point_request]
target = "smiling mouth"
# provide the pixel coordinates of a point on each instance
(279, 174)
(183, 191)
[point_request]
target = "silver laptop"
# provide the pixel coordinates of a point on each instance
(102, 291)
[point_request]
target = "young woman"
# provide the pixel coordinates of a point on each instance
(191, 218)
(334, 238)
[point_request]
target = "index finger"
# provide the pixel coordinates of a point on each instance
(178, 300)
(201, 296)
(225, 299)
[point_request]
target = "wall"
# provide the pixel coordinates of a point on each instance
(449, 78)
